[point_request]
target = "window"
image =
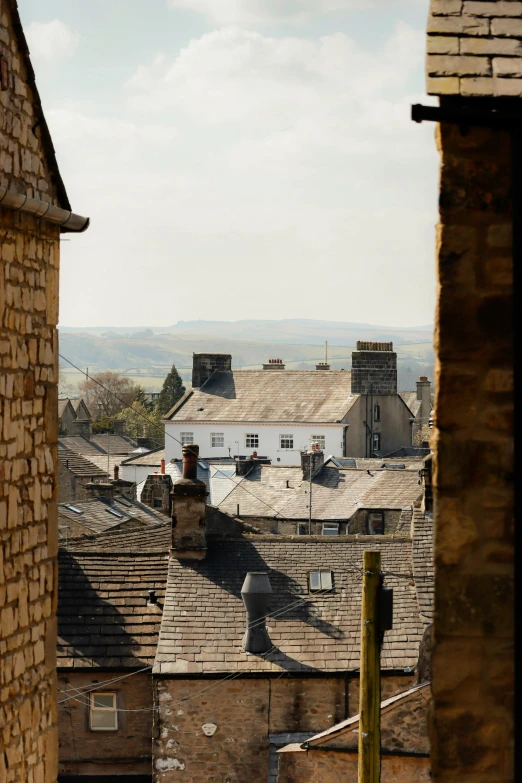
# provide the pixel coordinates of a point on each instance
(302, 528)
(186, 437)
(286, 441)
(376, 412)
(103, 712)
(376, 523)
(376, 442)
(158, 502)
(320, 580)
(320, 440)
(251, 441)
(330, 528)
(217, 440)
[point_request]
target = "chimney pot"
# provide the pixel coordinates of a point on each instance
(162, 468)
(116, 473)
(190, 454)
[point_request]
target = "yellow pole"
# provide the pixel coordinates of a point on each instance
(370, 673)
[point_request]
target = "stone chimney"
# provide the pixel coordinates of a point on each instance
(374, 368)
(82, 427)
(322, 366)
(145, 442)
(189, 540)
(274, 364)
(424, 397)
(119, 426)
(243, 466)
(100, 489)
(311, 461)
(204, 364)
(157, 492)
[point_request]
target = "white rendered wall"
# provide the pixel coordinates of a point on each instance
(136, 472)
(268, 440)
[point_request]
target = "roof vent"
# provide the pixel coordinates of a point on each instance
(256, 592)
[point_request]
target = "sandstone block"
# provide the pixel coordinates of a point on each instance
(491, 46)
(499, 8)
(458, 25)
(442, 44)
(446, 7)
(440, 85)
(507, 66)
(457, 65)
(512, 28)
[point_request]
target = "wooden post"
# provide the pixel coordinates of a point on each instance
(370, 673)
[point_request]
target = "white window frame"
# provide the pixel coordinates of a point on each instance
(376, 412)
(251, 440)
(376, 441)
(290, 439)
(113, 709)
(324, 580)
(320, 439)
(331, 527)
(216, 435)
(186, 437)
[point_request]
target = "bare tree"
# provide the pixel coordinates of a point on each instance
(107, 393)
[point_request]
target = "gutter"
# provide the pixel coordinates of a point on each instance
(67, 220)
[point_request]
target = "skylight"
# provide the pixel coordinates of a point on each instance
(73, 508)
(393, 466)
(114, 513)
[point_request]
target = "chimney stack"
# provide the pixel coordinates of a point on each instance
(243, 466)
(322, 366)
(256, 592)
(81, 427)
(162, 467)
(424, 397)
(274, 364)
(311, 461)
(204, 364)
(119, 426)
(374, 368)
(189, 540)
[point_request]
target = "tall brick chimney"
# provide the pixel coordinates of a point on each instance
(374, 365)
(311, 461)
(204, 364)
(189, 540)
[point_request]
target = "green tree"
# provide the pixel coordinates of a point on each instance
(140, 422)
(172, 390)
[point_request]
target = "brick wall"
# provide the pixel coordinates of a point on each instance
(28, 434)
(86, 752)
(246, 712)
(472, 722)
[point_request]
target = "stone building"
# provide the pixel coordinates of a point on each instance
(280, 413)
(332, 755)
(34, 209)
(474, 65)
(242, 706)
(109, 610)
(74, 473)
(71, 410)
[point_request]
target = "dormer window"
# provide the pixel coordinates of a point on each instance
(319, 581)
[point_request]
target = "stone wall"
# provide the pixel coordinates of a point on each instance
(472, 721)
(246, 711)
(377, 367)
(126, 751)
(339, 767)
(72, 487)
(28, 434)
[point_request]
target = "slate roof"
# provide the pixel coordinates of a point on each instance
(152, 458)
(264, 395)
(156, 538)
(62, 404)
(100, 515)
(204, 617)
(103, 616)
(106, 462)
(113, 444)
(80, 445)
(410, 399)
(337, 493)
(423, 565)
(80, 466)
(412, 462)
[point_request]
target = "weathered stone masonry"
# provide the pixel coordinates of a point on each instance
(29, 253)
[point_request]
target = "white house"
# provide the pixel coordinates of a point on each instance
(278, 413)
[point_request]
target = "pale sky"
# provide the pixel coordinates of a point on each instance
(240, 158)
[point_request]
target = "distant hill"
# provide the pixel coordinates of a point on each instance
(149, 352)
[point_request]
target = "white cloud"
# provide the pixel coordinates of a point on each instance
(51, 41)
(251, 12)
(252, 164)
